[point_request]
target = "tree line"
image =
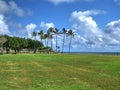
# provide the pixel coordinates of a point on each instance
(17, 44)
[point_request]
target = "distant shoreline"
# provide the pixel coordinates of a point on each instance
(106, 53)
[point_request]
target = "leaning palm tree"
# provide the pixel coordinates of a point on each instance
(71, 34)
(64, 31)
(56, 33)
(40, 33)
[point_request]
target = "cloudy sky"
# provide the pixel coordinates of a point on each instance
(96, 23)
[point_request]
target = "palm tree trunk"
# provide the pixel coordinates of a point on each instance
(34, 45)
(47, 42)
(56, 43)
(70, 43)
(63, 43)
(51, 44)
(41, 40)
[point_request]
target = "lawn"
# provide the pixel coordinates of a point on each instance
(59, 72)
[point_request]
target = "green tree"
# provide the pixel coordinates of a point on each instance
(14, 44)
(2, 41)
(23, 43)
(6, 45)
(34, 44)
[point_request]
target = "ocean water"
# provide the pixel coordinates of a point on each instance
(104, 53)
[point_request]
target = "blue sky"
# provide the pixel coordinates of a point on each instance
(95, 22)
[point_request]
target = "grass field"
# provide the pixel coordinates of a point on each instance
(59, 72)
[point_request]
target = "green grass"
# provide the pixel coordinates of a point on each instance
(59, 72)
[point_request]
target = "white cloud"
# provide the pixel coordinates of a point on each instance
(11, 7)
(56, 2)
(30, 28)
(90, 35)
(17, 10)
(89, 12)
(85, 24)
(6, 9)
(45, 26)
(113, 27)
(3, 26)
(113, 30)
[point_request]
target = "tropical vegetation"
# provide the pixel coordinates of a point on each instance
(18, 44)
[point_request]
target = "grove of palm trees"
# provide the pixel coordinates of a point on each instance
(52, 34)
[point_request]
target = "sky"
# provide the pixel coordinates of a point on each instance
(96, 23)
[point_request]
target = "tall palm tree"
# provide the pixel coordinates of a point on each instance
(56, 33)
(34, 34)
(51, 37)
(71, 34)
(64, 31)
(46, 37)
(40, 33)
(51, 31)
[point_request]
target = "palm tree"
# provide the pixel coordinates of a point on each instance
(56, 33)
(64, 31)
(34, 34)
(51, 37)
(71, 34)
(51, 31)
(45, 36)
(48, 37)
(41, 35)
